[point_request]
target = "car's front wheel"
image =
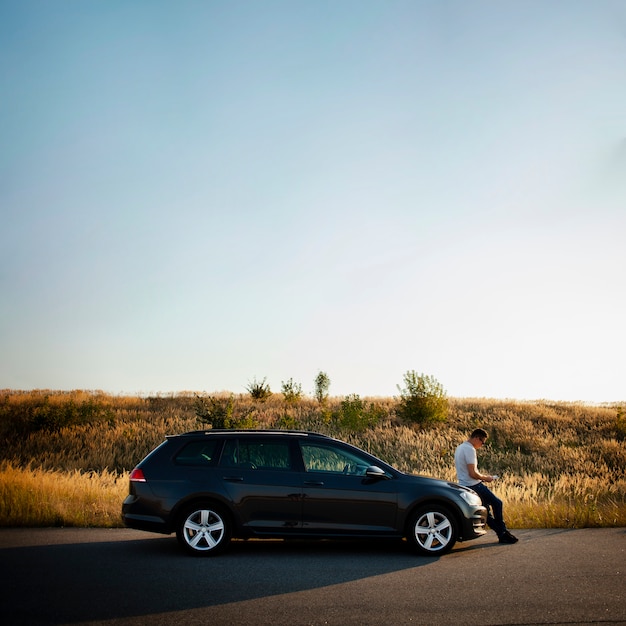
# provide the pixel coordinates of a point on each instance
(203, 529)
(432, 530)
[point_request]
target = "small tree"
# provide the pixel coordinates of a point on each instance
(259, 390)
(322, 385)
(422, 399)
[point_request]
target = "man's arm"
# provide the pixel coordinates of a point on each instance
(476, 475)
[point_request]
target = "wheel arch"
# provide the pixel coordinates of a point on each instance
(447, 504)
(204, 498)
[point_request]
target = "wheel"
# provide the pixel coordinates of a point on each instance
(204, 529)
(432, 530)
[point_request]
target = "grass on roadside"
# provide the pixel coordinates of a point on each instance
(537, 501)
(36, 497)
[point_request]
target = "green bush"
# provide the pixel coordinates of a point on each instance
(423, 399)
(355, 414)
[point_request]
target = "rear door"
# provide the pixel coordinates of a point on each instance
(259, 475)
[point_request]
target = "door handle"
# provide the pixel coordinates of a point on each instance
(234, 479)
(313, 483)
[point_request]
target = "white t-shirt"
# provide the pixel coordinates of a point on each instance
(465, 455)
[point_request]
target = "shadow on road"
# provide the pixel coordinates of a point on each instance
(102, 580)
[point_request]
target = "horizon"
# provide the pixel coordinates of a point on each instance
(305, 396)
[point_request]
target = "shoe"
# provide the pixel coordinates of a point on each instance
(507, 537)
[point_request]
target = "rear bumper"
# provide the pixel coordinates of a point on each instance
(145, 522)
(134, 517)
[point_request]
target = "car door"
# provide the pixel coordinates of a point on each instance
(265, 489)
(339, 498)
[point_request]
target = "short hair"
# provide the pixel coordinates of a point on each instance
(480, 433)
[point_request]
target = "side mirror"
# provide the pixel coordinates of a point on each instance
(375, 472)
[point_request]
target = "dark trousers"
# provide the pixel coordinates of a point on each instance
(493, 504)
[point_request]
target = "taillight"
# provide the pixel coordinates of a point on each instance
(136, 476)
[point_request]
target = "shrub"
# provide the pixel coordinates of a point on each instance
(422, 399)
(355, 414)
(287, 422)
(220, 413)
(259, 390)
(291, 391)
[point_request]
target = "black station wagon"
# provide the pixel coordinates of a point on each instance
(211, 486)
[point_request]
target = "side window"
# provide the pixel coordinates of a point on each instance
(256, 454)
(324, 458)
(198, 453)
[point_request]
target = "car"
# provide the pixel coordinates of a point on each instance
(213, 485)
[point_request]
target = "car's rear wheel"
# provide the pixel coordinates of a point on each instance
(204, 529)
(432, 530)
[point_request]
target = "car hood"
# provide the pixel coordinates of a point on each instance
(430, 480)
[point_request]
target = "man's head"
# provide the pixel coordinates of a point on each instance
(478, 437)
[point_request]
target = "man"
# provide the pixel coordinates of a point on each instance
(466, 462)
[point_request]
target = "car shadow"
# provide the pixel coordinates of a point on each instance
(102, 580)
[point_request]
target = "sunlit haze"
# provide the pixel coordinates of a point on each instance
(198, 194)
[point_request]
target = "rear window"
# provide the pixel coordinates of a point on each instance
(203, 453)
(257, 454)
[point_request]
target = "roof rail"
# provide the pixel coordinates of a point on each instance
(258, 431)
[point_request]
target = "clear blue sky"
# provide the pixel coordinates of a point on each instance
(197, 194)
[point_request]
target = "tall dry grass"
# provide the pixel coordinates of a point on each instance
(64, 457)
(32, 496)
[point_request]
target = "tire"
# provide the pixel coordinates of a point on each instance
(204, 529)
(432, 530)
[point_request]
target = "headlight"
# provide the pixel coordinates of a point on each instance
(471, 498)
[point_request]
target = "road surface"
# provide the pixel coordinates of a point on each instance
(99, 576)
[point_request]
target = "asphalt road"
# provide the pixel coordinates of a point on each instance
(97, 576)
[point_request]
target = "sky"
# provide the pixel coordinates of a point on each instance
(197, 195)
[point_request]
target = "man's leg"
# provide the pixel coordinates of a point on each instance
(494, 508)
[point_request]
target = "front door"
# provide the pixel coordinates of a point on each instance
(339, 498)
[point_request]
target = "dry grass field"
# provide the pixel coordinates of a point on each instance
(65, 456)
